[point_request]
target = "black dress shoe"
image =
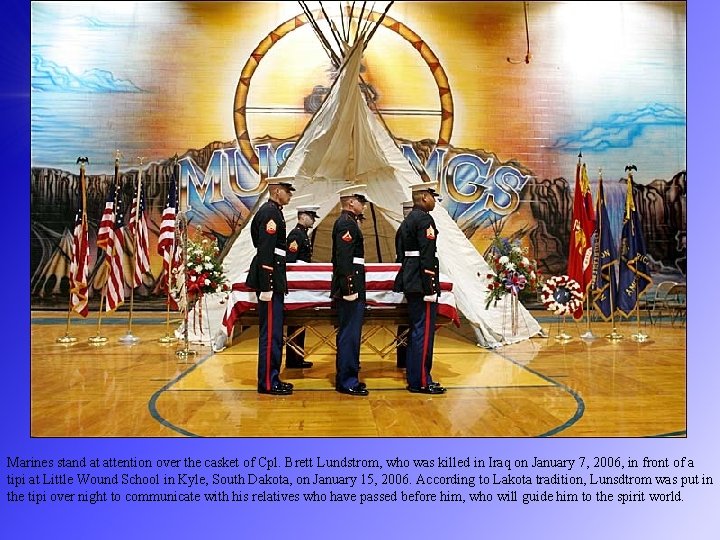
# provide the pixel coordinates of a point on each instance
(356, 390)
(298, 365)
(432, 388)
(286, 385)
(276, 391)
(360, 385)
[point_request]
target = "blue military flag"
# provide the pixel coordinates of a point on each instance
(634, 276)
(604, 260)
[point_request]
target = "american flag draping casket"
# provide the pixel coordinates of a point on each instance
(309, 287)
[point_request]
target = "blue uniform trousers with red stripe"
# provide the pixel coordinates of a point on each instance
(270, 317)
(421, 340)
(347, 359)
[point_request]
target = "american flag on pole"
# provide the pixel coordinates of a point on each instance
(138, 228)
(115, 255)
(107, 220)
(166, 240)
(79, 265)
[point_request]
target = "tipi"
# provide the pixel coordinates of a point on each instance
(346, 143)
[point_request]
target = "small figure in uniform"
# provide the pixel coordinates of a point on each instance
(268, 278)
(348, 289)
(402, 329)
(419, 279)
(299, 249)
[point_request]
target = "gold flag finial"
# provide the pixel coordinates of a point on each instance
(629, 200)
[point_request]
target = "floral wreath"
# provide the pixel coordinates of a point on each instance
(562, 295)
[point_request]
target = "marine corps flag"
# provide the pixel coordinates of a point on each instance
(634, 276)
(583, 224)
(604, 260)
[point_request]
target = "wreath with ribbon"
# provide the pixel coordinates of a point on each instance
(562, 295)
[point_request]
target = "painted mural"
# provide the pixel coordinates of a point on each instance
(495, 109)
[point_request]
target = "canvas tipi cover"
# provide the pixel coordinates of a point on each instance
(346, 143)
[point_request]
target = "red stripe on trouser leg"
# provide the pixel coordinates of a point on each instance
(423, 374)
(268, 353)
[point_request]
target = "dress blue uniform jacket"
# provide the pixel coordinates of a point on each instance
(347, 246)
(267, 269)
(299, 247)
(420, 273)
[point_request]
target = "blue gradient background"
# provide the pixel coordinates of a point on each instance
(698, 517)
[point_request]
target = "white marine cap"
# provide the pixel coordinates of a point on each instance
(285, 181)
(356, 190)
(431, 187)
(309, 209)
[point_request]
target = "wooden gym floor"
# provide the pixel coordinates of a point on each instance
(539, 387)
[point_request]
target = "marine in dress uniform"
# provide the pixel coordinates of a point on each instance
(348, 289)
(401, 348)
(299, 248)
(267, 277)
(419, 279)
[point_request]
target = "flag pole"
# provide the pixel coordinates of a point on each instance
(181, 228)
(129, 338)
(588, 334)
(168, 337)
(614, 335)
(640, 336)
(67, 338)
(99, 339)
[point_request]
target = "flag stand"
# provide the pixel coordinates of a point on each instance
(129, 338)
(614, 335)
(67, 338)
(640, 336)
(98, 339)
(562, 334)
(168, 337)
(588, 334)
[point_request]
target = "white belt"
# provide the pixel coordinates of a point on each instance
(280, 252)
(358, 260)
(412, 253)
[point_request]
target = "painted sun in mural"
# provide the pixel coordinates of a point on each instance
(406, 118)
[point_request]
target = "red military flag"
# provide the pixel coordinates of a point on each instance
(583, 225)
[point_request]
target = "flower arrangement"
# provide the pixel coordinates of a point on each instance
(562, 295)
(205, 273)
(513, 271)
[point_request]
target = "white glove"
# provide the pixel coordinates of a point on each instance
(351, 297)
(430, 298)
(266, 296)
